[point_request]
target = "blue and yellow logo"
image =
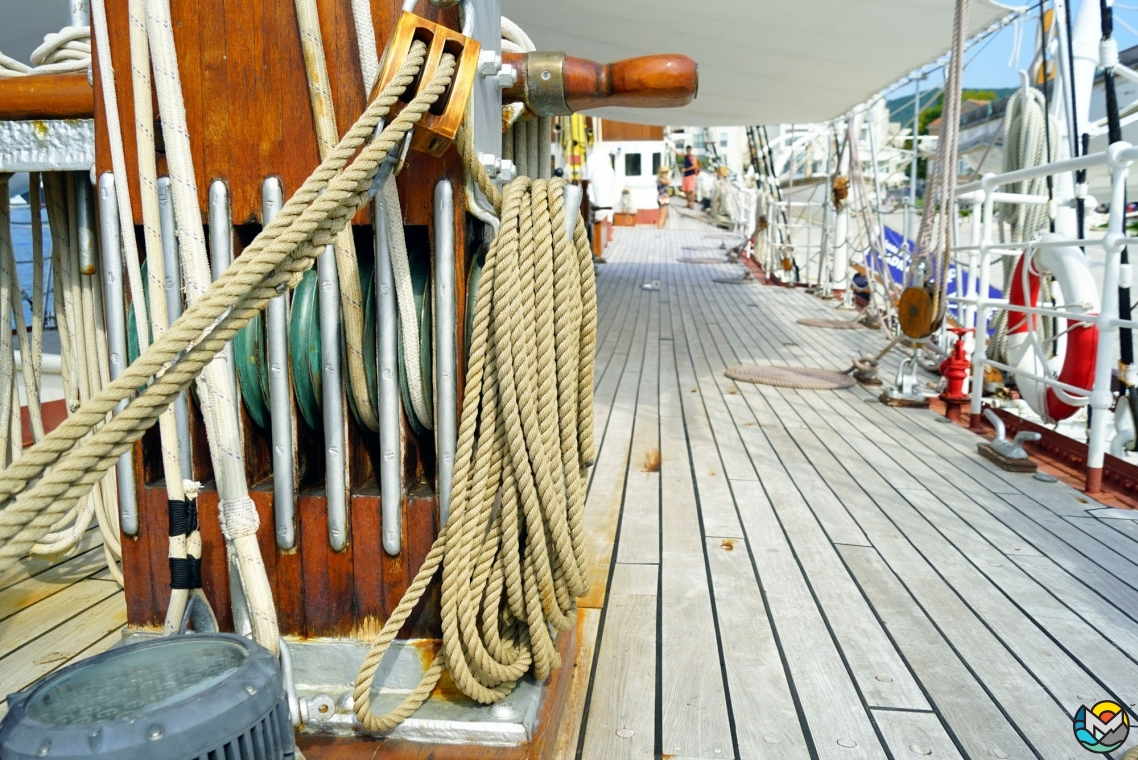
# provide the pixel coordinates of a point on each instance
(1102, 728)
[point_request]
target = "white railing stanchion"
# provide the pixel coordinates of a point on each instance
(978, 352)
(1101, 395)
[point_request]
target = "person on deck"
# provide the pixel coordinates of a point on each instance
(663, 183)
(691, 171)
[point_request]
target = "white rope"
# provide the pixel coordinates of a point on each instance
(218, 403)
(527, 142)
(69, 49)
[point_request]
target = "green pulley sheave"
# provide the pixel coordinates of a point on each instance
(304, 349)
(132, 351)
(419, 261)
(249, 355)
(473, 280)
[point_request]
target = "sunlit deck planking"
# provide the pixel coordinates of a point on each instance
(56, 612)
(804, 573)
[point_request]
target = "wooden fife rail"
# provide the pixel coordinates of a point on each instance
(47, 96)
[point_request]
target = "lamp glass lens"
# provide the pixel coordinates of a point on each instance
(136, 682)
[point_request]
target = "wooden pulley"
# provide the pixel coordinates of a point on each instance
(840, 191)
(436, 130)
(554, 84)
(915, 312)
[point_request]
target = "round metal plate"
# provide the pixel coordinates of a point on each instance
(703, 260)
(742, 280)
(833, 324)
(806, 378)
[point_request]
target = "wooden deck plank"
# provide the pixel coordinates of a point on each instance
(32, 622)
(767, 723)
(83, 634)
(970, 712)
(622, 718)
(716, 507)
(909, 734)
(693, 706)
(52, 580)
(829, 701)
(30, 567)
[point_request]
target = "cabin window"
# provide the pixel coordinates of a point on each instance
(632, 164)
(657, 159)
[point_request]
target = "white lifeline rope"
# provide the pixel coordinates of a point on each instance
(347, 267)
(177, 482)
(396, 240)
(118, 167)
(239, 519)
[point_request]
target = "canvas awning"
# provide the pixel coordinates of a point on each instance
(760, 61)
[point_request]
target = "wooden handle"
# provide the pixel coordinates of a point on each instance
(554, 84)
(47, 96)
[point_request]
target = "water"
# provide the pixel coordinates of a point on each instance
(22, 247)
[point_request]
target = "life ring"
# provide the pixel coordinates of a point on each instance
(1077, 366)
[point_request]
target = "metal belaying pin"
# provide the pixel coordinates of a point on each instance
(446, 410)
(280, 392)
(111, 239)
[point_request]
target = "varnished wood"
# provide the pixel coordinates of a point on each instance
(46, 96)
(651, 81)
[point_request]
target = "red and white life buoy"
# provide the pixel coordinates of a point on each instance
(1077, 365)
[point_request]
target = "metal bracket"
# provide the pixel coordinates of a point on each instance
(1012, 449)
(908, 385)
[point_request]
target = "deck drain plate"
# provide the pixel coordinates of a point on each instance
(805, 378)
(833, 324)
(703, 260)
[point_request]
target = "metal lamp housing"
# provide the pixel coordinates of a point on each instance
(192, 696)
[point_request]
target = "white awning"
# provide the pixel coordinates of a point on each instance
(760, 61)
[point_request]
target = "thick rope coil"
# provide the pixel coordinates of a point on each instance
(274, 261)
(512, 553)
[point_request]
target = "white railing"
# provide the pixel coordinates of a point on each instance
(977, 307)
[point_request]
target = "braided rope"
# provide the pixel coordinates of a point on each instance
(524, 439)
(274, 261)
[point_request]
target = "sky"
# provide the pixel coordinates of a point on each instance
(992, 63)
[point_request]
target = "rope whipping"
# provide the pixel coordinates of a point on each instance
(512, 554)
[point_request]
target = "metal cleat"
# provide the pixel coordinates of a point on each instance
(1012, 449)
(907, 390)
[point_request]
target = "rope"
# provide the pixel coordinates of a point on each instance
(272, 263)
(69, 49)
(934, 236)
(347, 266)
(525, 438)
(527, 142)
(1025, 146)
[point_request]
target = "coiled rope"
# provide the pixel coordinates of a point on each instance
(512, 553)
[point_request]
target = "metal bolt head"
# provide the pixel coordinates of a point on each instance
(492, 163)
(489, 63)
(154, 733)
(503, 710)
(508, 171)
(507, 76)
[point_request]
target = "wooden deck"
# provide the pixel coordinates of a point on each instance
(810, 573)
(53, 613)
(778, 573)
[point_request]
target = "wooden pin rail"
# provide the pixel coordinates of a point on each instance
(46, 96)
(555, 84)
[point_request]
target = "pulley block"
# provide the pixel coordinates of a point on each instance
(436, 130)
